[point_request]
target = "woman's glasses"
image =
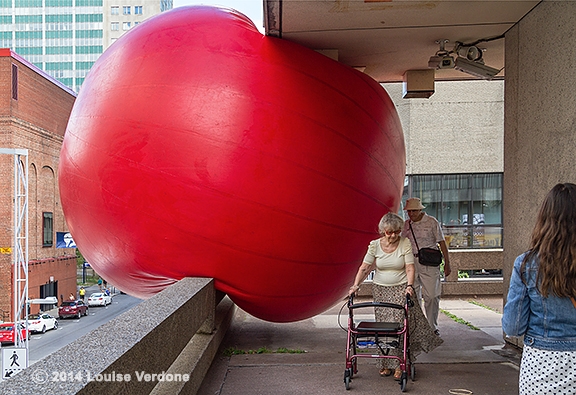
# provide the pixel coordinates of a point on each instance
(392, 232)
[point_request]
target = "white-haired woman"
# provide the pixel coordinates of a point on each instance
(393, 261)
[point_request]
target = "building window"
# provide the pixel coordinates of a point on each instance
(58, 50)
(88, 34)
(115, 10)
(47, 229)
(468, 206)
(137, 10)
(83, 65)
(89, 18)
(28, 3)
(87, 3)
(126, 10)
(89, 49)
(14, 82)
(165, 5)
(115, 26)
(126, 26)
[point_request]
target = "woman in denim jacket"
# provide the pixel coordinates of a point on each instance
(541, 303)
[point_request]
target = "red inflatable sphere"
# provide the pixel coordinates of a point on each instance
(197, 147)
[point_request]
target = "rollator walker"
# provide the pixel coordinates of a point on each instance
(366, 338)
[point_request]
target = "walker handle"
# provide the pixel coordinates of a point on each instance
(409, 301)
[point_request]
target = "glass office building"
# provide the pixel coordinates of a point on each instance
(65, 37)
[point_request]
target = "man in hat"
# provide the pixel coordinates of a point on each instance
(428, 234)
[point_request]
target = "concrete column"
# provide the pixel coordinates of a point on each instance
(540, 118)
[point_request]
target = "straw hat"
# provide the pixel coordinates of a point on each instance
(413, 204)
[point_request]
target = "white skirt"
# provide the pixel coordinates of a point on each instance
(547, 372)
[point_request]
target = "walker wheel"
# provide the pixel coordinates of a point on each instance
(403, 382)
(347, 378)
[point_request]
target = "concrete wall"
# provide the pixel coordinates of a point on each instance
(540, 117)
(149, 9)
(473, 260)
(459, 129)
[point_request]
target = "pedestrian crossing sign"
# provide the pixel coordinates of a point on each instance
(14, 360)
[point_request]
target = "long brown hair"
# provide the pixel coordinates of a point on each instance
(554, 243)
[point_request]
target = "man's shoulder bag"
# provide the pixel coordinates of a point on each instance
(427, 256)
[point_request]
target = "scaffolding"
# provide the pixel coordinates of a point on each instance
(20, 241)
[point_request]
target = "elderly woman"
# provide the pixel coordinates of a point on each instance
(392, 259)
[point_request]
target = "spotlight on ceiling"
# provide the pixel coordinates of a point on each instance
(477, 69)
(442, 59)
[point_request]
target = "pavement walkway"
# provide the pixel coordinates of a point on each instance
(470, 361)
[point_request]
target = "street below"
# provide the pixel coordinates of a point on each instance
(43, 344)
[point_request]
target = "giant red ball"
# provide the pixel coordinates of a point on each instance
(199, 147)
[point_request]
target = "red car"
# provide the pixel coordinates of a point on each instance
(72, 308)
(7, 332)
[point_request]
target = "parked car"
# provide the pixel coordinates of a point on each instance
(72, 308)
(41, 322)
(7, 332)
(99, 299)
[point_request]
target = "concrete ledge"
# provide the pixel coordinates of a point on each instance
(155, 337)
(479, 287)
(455, 288)
(198, 355)
(474, 259)
(517, 342)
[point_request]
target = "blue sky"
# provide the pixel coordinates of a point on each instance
(251, 8)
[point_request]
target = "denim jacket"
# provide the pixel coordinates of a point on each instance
(546, 323)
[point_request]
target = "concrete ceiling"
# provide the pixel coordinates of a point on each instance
(384, 38)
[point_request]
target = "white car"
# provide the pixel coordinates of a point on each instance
(41, 322)
(99, 299)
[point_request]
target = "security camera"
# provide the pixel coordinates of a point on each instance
(441, 62)
(471, 53)
(477, 69)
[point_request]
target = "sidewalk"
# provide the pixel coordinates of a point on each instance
(472, 360)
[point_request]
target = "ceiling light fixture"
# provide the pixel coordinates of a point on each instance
(418, 84)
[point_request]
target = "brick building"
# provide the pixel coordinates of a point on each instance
(34, 111)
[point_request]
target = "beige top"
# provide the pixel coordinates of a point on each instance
(390, 267)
